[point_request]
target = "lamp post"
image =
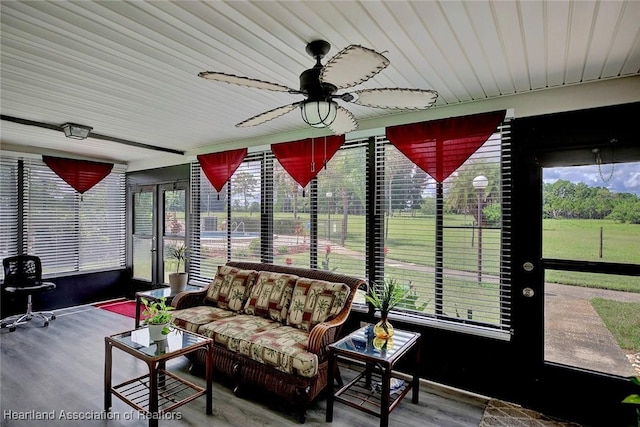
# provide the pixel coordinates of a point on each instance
(480, 183)
(329, 195)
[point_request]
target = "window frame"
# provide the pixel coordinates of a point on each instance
(374, 241)
(107, 197)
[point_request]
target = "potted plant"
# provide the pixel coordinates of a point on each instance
(385, 297)
(634, 399)
(178, 280)
(157, 318)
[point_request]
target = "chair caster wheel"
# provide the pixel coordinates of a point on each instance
(46, 324)
(12, 329)
(53, 317)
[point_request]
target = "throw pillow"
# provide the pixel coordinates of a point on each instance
(223, 278)
(271, 295)
(234, 293)
(315, 301)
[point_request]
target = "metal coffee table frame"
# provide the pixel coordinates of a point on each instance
(379, 360)
(159, 391)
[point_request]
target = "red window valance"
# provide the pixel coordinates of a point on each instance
(303, 159)
(79, 174)
(218, 167)
(439, 147)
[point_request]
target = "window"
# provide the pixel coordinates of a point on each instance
(291, 219)
(596, 207)
(207, 236)
(322, 226)
(342, 209)
(373, 213)
(9, 213)
(68, 231)
(447, 243)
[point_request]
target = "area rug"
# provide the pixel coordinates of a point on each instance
(504, 414)
(123, 307)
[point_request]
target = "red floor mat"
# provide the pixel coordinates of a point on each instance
(126, 308)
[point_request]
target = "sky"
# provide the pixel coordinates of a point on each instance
(623, 178)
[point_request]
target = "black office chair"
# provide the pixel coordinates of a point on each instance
(23, 276)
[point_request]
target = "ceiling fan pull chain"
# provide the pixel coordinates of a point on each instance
(324, 161)
(313, 163)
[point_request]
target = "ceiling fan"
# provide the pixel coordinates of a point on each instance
(352, 66)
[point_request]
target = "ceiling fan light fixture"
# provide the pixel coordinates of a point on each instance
(319, 114)
(75, 131)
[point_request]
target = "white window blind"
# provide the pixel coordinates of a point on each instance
(342, 211)
(8, 207)
(244, 222)
(224, 225)
(322, 226)
(291, 218)
(68, 232)
(453, 266)
(372, 213)
(207, 236)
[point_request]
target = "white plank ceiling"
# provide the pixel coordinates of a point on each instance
(129, 69)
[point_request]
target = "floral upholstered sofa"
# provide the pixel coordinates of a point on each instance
(271, 326)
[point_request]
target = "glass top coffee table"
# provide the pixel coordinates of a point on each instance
(376, 390)
(160, 391)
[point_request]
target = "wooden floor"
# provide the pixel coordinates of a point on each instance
(58, 372)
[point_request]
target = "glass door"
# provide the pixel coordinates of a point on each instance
(159, 226)
(173, 205)
(143, 235)
(590, 245)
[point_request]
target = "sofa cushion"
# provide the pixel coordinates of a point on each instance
(315, 301)
(192, 318)
(284, 348)
(231, 330)
(230, 288)
(224, 273)
(270, 297)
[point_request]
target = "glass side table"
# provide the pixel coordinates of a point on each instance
(376, 390)
(156, 294)
(160, 391)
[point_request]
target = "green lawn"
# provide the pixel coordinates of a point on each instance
(579, 239)
(623, 321)
(562, 238)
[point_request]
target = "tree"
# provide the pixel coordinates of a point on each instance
(626, 210)
(564, 199)
(557, 199)
(399, 171)
(243, 184)
(462, 197)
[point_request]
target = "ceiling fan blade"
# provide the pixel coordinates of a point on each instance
(345, 122)
(353, 65)
(394, 98)
(269, 115)
(245, 81)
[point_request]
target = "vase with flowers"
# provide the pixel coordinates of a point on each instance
(384, 297)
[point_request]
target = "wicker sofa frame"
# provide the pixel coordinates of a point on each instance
(298, 392)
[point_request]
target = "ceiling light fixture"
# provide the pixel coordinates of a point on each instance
(72, 130)
(319, 114)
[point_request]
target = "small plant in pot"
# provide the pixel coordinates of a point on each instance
(384, 297)
(157, 318)
(634, 399)
(178, 280)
